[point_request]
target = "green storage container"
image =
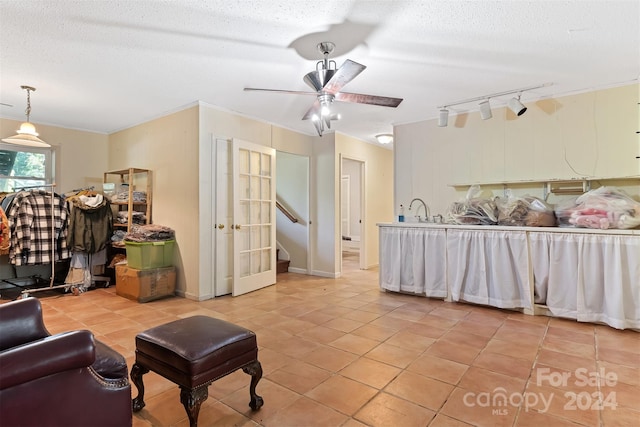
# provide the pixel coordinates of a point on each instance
(146, 255)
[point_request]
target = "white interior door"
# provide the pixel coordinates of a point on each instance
(345, 204)
(254, 213)
(223, 209)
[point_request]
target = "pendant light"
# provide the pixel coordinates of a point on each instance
(27, 135)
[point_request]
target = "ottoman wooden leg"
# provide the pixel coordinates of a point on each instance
(255, 370)
(137, 371)
(192, 398)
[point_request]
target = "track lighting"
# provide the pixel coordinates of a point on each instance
(443, 117)
(514, 104)
(27, 135)
(485, 110)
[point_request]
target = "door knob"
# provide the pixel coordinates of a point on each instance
(220, 226)
(237, 227)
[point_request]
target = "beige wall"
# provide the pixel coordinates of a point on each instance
(168, 146)
(585, 135)
(177, 149)
(81, 156)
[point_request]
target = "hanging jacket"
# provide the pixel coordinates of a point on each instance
(91, 224)
(31, 223)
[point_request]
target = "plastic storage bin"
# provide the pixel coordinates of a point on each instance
(147, 255)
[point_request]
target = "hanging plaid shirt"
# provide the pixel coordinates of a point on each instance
(30, 223)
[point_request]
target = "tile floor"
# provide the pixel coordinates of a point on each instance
(342, 353)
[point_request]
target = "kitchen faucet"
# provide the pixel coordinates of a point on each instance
(426, 209)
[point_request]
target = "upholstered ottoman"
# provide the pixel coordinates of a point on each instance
(194, 352)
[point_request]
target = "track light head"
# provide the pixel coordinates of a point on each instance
(485, 110)
(516, 106)
(443, 118)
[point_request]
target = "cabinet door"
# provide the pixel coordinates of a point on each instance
(254, 229)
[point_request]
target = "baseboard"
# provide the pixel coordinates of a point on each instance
(298, 270)
(325, 274)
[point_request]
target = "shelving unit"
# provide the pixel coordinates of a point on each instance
(131, 177)
(555, 186)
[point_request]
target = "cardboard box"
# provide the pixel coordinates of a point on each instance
(145, 285)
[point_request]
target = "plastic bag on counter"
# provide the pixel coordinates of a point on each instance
(475, 209)
(602, 208)
(525, 211)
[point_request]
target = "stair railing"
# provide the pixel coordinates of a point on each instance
(286, 212)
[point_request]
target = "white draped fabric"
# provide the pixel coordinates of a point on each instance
(554, 257)
(489, 267)
(413, 260)
(591, 278)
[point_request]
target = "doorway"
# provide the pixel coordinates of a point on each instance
(292, 194)
(352, 214)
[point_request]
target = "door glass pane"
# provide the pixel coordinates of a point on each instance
(255, 237)
(255, 213)
(255, 187)
(266, 165)
(243, 215)
(265, 239)
(243, 186)
(255, 262)
(266, 188)
(244, 264)
(266, 260)
(245, 243)
(265, 215)
(255, 163)
(243, 161)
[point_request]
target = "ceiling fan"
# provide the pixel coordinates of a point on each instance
(327, 81)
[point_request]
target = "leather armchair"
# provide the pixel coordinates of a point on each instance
(68, 379)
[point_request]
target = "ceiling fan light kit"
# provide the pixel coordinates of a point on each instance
(514, 104)
(27, 135)
(327, 81)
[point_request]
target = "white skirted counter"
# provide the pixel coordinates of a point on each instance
(583, 274)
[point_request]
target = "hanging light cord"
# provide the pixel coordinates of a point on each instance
(28, 110)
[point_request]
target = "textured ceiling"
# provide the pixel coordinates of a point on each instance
(107, 65)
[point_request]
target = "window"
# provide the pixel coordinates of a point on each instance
(24, 167)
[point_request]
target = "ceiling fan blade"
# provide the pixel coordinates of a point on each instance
(295, 92)
(359, 98)
(347, 72)
(315, 109)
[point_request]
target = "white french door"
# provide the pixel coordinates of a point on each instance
(254, 224)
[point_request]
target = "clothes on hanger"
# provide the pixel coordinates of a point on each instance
(37, 233)
(90, 228)
(5, 236)
(90, 224)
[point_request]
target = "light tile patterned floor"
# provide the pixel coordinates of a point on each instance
(342, 353)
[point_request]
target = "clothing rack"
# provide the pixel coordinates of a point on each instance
(25, 293)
